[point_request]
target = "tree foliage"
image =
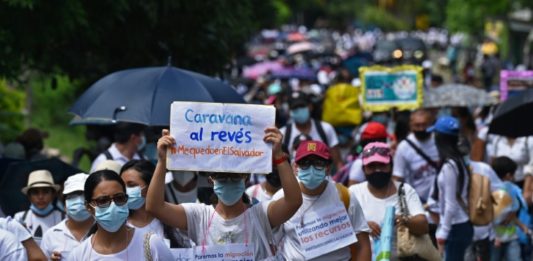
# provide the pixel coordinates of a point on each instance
(87, 39)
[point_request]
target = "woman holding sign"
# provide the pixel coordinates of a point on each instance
(231, 228)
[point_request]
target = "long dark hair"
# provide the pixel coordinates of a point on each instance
(146, 169)
(92, 182)
(448, 148)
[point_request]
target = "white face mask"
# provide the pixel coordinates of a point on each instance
(187, 197)
(183, 177)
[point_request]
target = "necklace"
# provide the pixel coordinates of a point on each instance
(93, 239)
(311, 205)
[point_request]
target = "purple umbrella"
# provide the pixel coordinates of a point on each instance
(298, 73)
(260, 69)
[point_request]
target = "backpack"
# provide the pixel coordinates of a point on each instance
(288, 131)
(480, 208)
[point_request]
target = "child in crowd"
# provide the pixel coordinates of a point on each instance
(506, 244)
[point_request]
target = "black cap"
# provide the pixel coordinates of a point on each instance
(298, 99)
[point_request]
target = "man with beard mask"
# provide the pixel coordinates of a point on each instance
(265, 190)
(380, 192)
(416, 159)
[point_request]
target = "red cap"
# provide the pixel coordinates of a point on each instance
(312, 147)
(374, 130)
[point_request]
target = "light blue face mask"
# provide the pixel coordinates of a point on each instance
(112, 217)
(76, 208)
(311, 178)
(229, 192)
(42, 211)
(300, 115)
(135, 198)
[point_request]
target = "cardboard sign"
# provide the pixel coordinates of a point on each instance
(325, 231)
(514, 82)
(384, 88)
(218, 137)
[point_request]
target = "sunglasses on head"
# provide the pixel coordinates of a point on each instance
(105, 201)
(318, 164)
(379, 150)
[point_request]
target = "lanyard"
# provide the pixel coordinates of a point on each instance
(204, 241)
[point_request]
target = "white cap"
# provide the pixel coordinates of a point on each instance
(109, 165)
(75, 183)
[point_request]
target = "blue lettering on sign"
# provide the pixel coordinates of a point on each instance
(215, 118)
(232, 136)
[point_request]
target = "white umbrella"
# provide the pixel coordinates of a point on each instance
(457, 95)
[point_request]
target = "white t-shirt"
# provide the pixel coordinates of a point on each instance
(39, 225)
(374, 208)
(134, 251)
(155, 227)
(10, 247)
(258, 192)
(413, 168)
(15, 227)
(286, 238)
(117, 156)
(177, 197)
(313, 132)
(356, 171)
(60, 239)
(251, 226)
(450, 211)
(520, 152)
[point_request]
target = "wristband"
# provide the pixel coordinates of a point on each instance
(280, 160)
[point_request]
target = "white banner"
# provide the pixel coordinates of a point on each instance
(218, 137)
(325, 231)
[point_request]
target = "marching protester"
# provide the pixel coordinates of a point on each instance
(183, 188)
(322, 197)
(455, 232)
(43, 214)
(10, 247)
(265, 190)
(232, 222)
(416, 160)
(506, 243)
(300, 113)
(137, 175)
(59, 240)
(371, 132)
(33, 251)
(111, 238)
(129, 140)
(380, 191)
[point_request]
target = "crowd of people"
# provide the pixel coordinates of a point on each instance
(423, 163)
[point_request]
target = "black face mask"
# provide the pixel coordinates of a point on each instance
(273, 179)
(379, 179)
(422, 135)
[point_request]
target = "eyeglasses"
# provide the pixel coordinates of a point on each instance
(105, 201)
(226, 178)
(318, 164)
(379, 150)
